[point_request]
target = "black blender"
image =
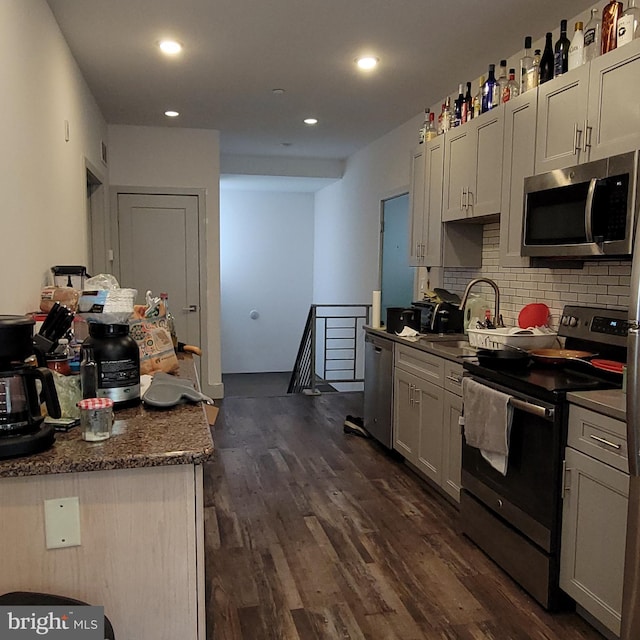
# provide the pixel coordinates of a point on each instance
(22, 428)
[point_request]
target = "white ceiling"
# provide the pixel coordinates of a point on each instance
(237, 51)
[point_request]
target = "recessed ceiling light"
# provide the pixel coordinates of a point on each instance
(311, 121)
(170, 47)
(171, 114)
(367, 62)
(277, 92)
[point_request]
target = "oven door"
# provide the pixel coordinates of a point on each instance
(528, 497)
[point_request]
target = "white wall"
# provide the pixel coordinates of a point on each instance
(166, 157)
(266, 264)
(347, 230)
(42, 177)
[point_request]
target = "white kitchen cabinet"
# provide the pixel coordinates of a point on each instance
(594, 518)
(406, 413)
(427, 404)
(473, 168)
(590, 112)
(519, 151)
(451, 430)
(433, 244)
(416, 207)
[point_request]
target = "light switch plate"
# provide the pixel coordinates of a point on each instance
(62, 522)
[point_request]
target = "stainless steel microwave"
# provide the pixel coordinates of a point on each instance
(584, 211)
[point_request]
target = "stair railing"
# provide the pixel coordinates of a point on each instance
(335, 332)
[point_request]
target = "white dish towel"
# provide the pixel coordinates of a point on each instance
(487, 422)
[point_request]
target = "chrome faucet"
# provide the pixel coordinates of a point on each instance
(497, 321)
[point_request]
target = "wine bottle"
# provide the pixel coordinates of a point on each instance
(592, 36)
(628, 24)
(576, 50)
(457, 107)
(526, 63)
(489, 89)
(546, 62)
(468, 104)
(561, 51)
(610, 15)
(501, 83)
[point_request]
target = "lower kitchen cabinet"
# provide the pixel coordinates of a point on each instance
(427, 405)
(451, 444)
(594, 516)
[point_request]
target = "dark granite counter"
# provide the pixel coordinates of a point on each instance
(142, 437)
(450, 346)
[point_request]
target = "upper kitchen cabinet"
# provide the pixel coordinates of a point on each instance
(416, 198)
(591, 112)
(518, 162)
(473, 168)
(433, 244)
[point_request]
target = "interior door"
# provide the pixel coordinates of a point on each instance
(159, 251)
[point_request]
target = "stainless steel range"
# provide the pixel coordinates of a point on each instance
(516, 518)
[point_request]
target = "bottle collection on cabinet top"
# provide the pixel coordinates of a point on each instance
(604, 32)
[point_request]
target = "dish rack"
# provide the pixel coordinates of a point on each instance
(504, 337)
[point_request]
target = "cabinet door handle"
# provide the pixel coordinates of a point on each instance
(613, 445)
(462, 192)
(587, 135)
(416, 400)
(577, 134)
(469, 199)
(193, 308)
(566, 479)
(411, 388)
(454, 379)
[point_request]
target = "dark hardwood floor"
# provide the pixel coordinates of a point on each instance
(314, 534)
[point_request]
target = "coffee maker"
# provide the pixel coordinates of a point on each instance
(22, 427)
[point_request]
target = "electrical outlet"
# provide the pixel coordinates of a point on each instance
(62, 522)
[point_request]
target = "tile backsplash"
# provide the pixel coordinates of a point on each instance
(601, 284)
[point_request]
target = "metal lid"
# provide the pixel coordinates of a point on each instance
(99, 330)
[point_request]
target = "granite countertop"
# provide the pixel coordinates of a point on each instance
(451, 346)
(610, 402)
(142, 437)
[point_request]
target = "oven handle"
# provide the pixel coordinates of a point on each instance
(546, 413)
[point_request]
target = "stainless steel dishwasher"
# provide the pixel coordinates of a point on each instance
(378, 388)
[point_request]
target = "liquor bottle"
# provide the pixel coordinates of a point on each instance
(610, 15)
(576, 50)
(446, 115)
(424, 127)
(546, 62)
(561, 51)
(533, 77)
(468, 104)
(489, 89)
(477, 99)
(431, 132)
(526, 64)
(501, 83)
(628, 24)
(592, 36)
(512, 88)
(457, 107)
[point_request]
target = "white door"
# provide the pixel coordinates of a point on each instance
(159, 251)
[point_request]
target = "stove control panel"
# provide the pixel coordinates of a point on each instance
(609, 326)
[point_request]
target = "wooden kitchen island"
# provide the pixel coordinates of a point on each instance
(141, 551)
